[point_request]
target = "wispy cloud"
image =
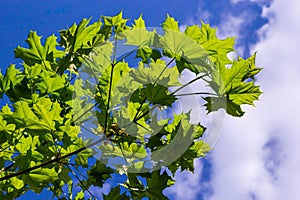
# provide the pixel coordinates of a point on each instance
(258, 155)
(191, 186)
(257, 1)
(231, 27)
(202, 14)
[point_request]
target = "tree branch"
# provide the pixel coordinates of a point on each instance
(55, 160)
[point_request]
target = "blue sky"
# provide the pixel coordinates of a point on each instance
(47, 17)
(257, 156)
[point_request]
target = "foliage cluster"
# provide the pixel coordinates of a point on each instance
(48, 108)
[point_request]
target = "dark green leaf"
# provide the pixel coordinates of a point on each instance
(115, 194)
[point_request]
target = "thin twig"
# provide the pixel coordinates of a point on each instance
(81, 183)
(197, 93)
(50, 187)
(136, 118)
(188, 83)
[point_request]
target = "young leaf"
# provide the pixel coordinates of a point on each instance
(42, 175)
(216, 48)
(157, 72)
(39, 54)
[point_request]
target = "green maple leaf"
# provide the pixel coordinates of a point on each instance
(156, 183)
(143, 39)
(138, 35)
(158, 94)
(157, 73)
(146, 53)
(232, 87)
(183, 48)
(116, 20)
(51, 84)
(17, 183)
(115, 23)
(44, 55)
(42, 175)
(170, 23)
(79, 195)
(48, 112)
(244, 93)
(98, 174)
(24, 144)
(11, 79)
(22, 113)
(100, 58)
(206, 36)
(78, 41)
(40, 117)
(5, 127)
(79, 36)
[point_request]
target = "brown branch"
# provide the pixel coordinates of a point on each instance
(55, 160)
(7, 167)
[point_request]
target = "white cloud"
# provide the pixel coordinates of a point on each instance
(243, 164)
(201, 15)
(257, 156)
(236, 1)
(258, 1)
(188, 184)
(231, 27)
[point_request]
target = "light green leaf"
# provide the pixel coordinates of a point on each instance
(9, 128)
(206, 36)
(245, 93)
(23, 112)
(119, 70)
(50, 84)
(157, 72)
(232, 87)
(146, 53)
(216, 103)
(41, 117)
(78, 42)
(200, 148)
(17, 183)
(79, 195)
(193, 32)
(138, 35)
(80, 36)
(43, 175)
(170, 24)
(178, 46)
(116, 20)
(100, 58)
(11, 78)
(39, 54)
(24, 144)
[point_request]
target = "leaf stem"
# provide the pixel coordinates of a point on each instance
(197, 93)
(110, 85)
(188, 83)
(136, 118)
